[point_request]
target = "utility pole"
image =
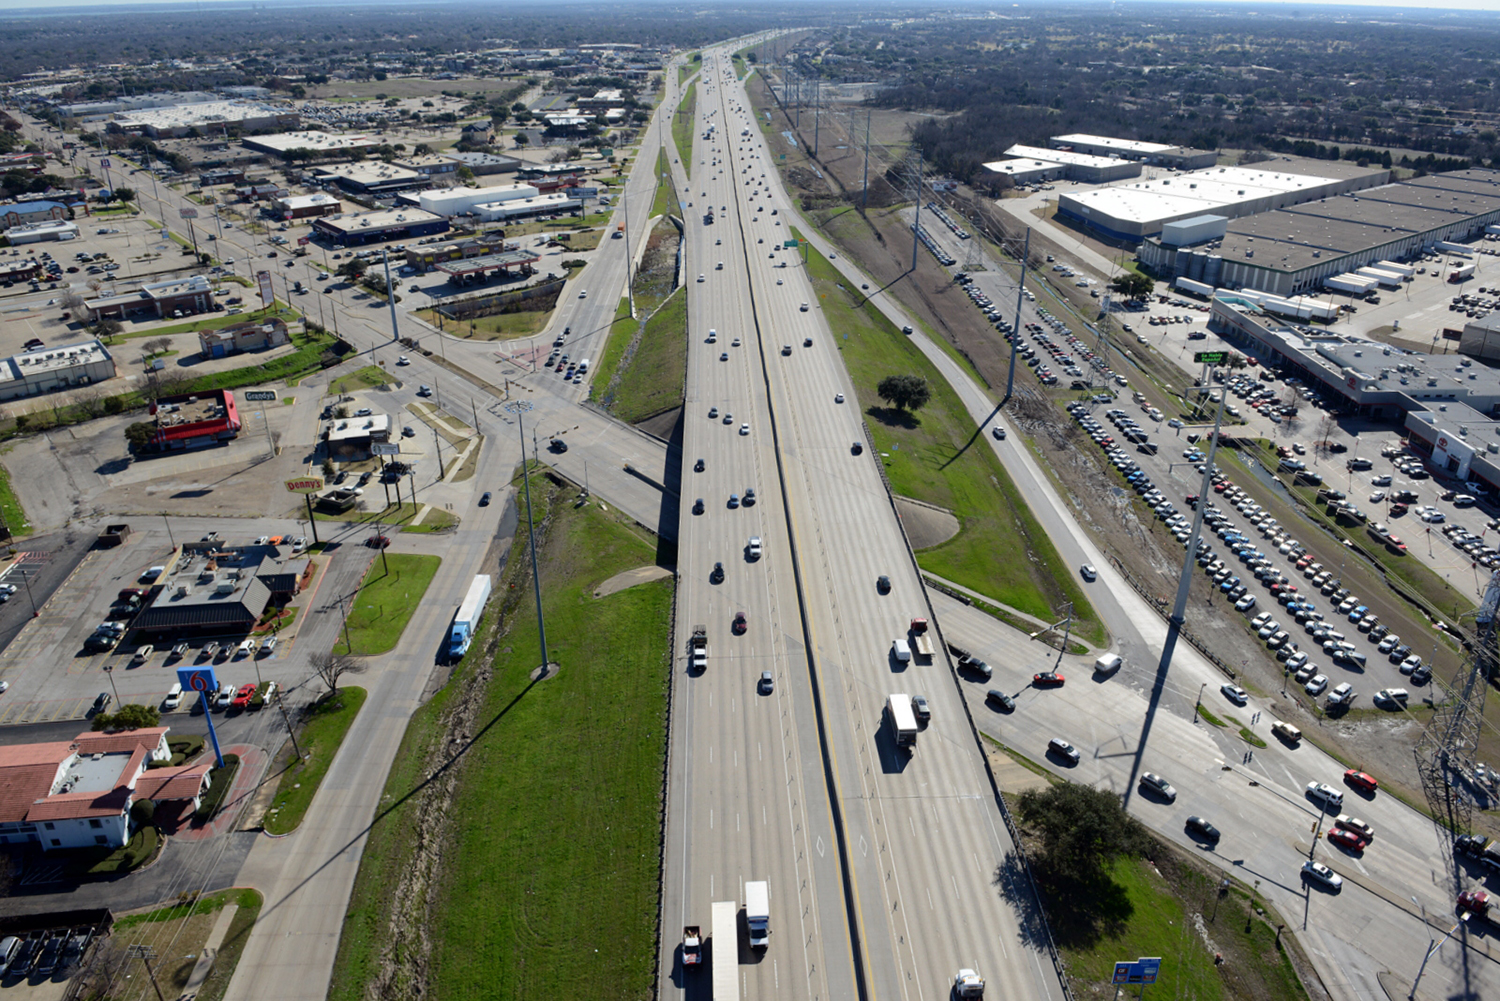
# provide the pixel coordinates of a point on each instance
(916, 222)
(518, 408)
(145, 953)
(864, 197)
(1015, 336)
(817, 109)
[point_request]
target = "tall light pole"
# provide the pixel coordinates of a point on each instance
(518, 408)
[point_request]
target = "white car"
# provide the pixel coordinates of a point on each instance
(700, 278)
(1235, 694)
(744, 429)
(1317, 686)
(1326, 794)
(1322, 874)
(1088, 572)
(402, 360)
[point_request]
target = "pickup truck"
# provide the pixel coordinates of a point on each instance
(921, 640)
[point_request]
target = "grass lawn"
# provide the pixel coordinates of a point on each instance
(436, 519)
(653, 380)
(286, 313)
(187, 926)
(527, 902)
(662, 204)
(1153, 915)
(392, 589)
(620, 332)
(10, 507)
(930, 457)
(370, 376)
(501, 326)
(686, 70)
(319, 739)
(83, 863)
(682, 127)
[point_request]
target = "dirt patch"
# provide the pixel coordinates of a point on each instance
(657, 276)
(630, 578)
(926, 525)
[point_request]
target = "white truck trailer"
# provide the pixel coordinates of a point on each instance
(467, 619)
(1351, 283)
(1462, 273)
(724, 950)
(903, 719)
(758, 914)
(1197, 288)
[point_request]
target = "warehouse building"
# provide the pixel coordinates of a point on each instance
(517, 208)
(1294, 249)
(433, 166)
(1075, 166)
(312, 206)
(372, 227)
(67, 366)
(1176, 157)
(483, 164)
(1137, 210)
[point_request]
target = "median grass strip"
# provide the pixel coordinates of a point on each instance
(682, 127)
(10, 507)
(518, 855)
(323, 729)
(935, 456)
(391, 591)
(621, 331)
(662, 203)
(653, 377)
(186, 926)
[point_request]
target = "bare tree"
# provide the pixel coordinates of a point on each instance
(91, 401)
(157, 345)
(330, 667)
(1326, 427)
(71, 301)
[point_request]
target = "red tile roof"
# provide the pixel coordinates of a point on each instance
(27, 772)
(182, 782)
(122, 741)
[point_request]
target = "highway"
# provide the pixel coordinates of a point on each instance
(922, 840)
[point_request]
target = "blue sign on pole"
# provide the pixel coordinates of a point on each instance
(202, 680)
(1142, 971)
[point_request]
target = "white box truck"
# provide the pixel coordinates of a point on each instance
(903, 720)
(758, 914)
(724, 950)
(467, 619)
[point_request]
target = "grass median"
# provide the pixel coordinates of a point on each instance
(934, 456)
(390, 592)
(320, 737)
(682, 127)
(518, 856)
(621, 332)
(653, 377)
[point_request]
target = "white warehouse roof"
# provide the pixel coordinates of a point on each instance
(1062, 156)
(452, 201)
(1196, 192)
(1123, 145)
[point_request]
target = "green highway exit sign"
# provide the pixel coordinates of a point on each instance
(788, 243)
(1210, 357)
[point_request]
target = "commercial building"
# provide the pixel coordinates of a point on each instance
(1177, 157)
(1137, 210)
(175, 298)
(1480, 338)
(424, 256)
(484, 164)
(255, 335)
(480, 133)
(22, 213)
(78, 793)
(206, 116)
(429, 165)
(1027, 170)
(317, 204)
(1084, 167)
(469, 270)
(319, 142)
(67, 366)
(350, 438)
(371, 177)
(457, 201)
(194, 420)
(1449, 406)
(217, 589)
(372, 227)
(37, 232)
(515, 208)
(1296, 248)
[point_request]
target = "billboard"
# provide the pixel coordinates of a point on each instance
(305, 484)
(385, 448)
(583, 192)
(260, 394)
(188, 212)
(263, 279)
(303, 241)
(1209, 357)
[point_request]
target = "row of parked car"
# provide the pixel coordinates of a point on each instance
(42, 954)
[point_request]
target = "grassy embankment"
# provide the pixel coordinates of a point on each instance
(933, 457)
(524, 901)
(682, 127)
(319, 739)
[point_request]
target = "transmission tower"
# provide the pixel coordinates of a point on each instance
(973, 250)
(1445, 751)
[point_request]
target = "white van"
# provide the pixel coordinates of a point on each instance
(1108, 663)
(174, 697)
(902, 650)
(583, 366)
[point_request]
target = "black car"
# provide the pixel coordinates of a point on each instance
(102, 702)
(1005, 702)
(717, 576)
(974, 664)
(857, 448)
(24, 959)
(698, 466)
(883, 584)
(485, 500)
(698, 506)
(46, 963)
(1202, 828)
(558, 445)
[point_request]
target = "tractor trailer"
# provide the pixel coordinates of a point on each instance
(903, 719)
(467, 619)
(1197, 288)
(1461, 273)
(724, 950)
(1351, 283)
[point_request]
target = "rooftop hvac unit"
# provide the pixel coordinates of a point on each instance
(224, 587)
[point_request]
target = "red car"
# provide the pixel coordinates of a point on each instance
(243, 696)
(378, 541)
(1048, 679)
(1361, 781)
(1347, 839)
(739, 624)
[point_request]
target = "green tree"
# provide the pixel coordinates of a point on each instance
(1081, 828)
(130, 717)
(352, 268)
(1134, 286)
(139, 435)
(904, 392)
